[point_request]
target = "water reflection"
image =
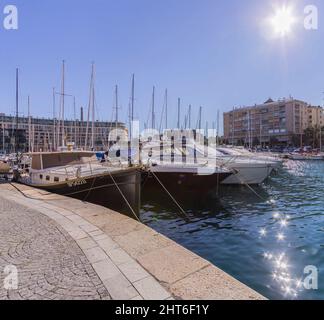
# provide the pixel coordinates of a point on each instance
(264, 237)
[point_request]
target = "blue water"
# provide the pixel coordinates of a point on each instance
(264, 238)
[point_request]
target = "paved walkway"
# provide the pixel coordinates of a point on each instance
(60, 255)
(50, 264)
(65, 248)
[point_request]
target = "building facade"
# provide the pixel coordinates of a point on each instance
(38, 134)
(281, 122)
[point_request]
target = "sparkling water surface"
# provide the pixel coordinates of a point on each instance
(264, 237)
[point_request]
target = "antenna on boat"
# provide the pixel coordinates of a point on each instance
(189, 116)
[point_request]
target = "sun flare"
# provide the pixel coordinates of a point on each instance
(283, 21)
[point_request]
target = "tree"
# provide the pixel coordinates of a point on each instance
(312, 137)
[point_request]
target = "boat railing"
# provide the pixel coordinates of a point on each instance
(73, 171)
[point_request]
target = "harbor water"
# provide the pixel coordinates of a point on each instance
(264, 236)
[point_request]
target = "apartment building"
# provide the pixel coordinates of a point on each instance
(273, 122)
(39, 134)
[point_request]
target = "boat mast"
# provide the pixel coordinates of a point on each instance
(89, 106)
(200, 118)
(189, 116)
(75, 121)
(166, 109)
(63, 103)
(17, 111)
(217, 130)
(301, 128)
(93, 114)
(132, 107)
(116, 108)
(233, 126)
(54, 121)
(3, 136)
(179, 113)
(153, 108)
(29, 125)
(261, 128)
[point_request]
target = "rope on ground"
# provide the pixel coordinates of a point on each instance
(29, 197)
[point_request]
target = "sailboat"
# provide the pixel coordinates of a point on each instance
(79, 174)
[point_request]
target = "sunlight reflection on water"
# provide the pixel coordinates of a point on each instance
(265, 242)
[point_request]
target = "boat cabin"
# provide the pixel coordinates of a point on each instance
(43, 160)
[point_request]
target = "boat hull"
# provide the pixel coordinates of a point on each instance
(251, 175)
(102, 190)
(184, 182)
(306, 158)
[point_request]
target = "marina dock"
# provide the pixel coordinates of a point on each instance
(64, 248)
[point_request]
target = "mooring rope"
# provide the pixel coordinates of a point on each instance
(122, 194)
(89, 191)
(170, 195)
(239, 175)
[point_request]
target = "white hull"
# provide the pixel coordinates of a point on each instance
(306, 158)
(248, 174)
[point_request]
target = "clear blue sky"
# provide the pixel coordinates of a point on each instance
(208, 52)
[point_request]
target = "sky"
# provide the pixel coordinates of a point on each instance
(212, 53)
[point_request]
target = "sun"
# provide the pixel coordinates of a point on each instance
(283, 21)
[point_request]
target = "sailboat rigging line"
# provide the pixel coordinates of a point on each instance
(128, 204)
(170, 195)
